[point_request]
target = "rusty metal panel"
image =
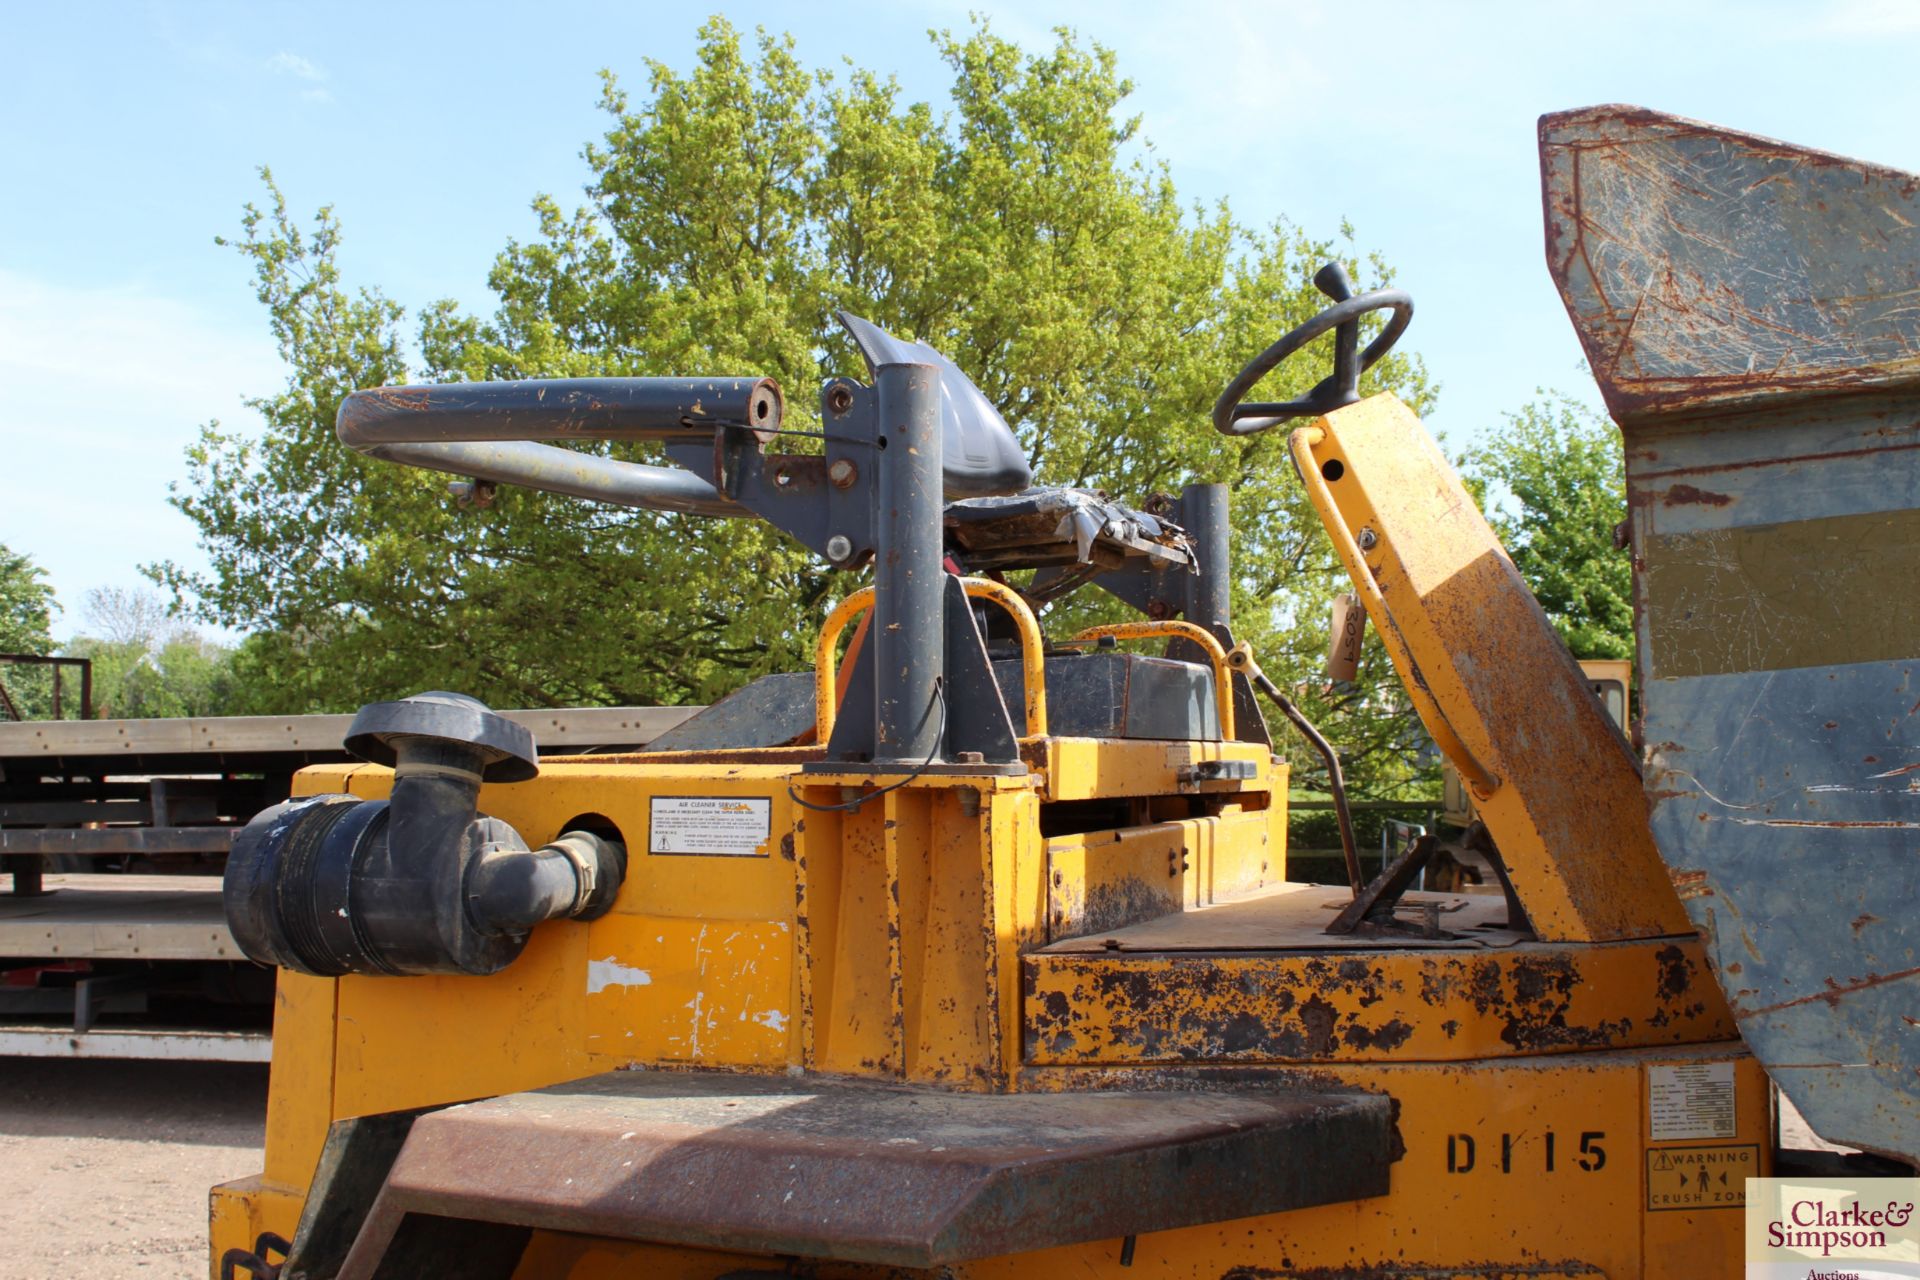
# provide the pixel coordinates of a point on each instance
(1395, 1004)
(899, 1176)
(1747, 307)
(1708, 269)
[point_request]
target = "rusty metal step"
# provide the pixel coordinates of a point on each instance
(862, 1172)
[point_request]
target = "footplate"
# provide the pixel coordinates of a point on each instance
(857, 1172)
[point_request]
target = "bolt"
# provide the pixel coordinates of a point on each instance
(1368, 540)
(839, 547)
(843, 473)
(839, 399)
(970, 757)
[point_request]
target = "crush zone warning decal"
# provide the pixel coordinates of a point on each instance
(710, 826)
(1700, 1177)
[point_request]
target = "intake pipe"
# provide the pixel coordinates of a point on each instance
(421, 882)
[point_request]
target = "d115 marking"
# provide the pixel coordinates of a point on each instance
(1545, 1152)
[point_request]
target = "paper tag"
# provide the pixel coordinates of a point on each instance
(1690, 1100)
(710, 826)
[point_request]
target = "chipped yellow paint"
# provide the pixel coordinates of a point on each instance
(1098, 880)
(1557, 785)
(665, 989)
(900, 910)
(358, 1046)
(1399, 1005)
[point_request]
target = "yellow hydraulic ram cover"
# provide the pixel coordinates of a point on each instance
(1553, 780)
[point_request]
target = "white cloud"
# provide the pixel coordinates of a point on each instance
(292, 64)
(101, 389)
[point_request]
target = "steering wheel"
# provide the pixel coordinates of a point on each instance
(1234, 415)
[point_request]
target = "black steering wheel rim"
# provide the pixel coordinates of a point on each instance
(1234, 415)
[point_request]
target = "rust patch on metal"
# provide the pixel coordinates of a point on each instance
(1662, 235)
(1676, 973)
(1085, 1007)
(818, 1167)
(1835, 992)
(1686, 494)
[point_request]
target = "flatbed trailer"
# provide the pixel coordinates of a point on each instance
(112, 837)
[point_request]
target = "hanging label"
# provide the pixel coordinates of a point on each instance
(710, 826)
(1690, 1100)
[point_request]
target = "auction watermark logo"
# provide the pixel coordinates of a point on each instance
(1833, 1228)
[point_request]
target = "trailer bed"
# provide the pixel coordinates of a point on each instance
(138, 962)
(119, 917)
(229, 744)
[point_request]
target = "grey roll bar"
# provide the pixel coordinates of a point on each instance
(490, 431)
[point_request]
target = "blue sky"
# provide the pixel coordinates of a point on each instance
(129, 136)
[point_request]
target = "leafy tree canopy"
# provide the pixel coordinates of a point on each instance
(26, 605)
(1022, 227)
(148, 663)
(1561, 467)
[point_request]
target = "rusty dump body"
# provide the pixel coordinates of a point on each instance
(1748, 309)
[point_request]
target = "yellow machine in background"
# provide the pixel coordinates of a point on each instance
(973, 953)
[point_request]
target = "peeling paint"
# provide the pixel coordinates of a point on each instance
(609, 972)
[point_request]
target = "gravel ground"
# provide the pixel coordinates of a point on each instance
(107, 1164)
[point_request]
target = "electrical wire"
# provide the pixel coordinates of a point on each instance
(939, 734)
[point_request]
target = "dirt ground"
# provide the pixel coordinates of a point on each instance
(106, 1165)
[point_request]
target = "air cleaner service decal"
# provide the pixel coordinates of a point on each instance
(710, 826)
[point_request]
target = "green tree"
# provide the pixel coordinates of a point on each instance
(26, 605)
(147, 663)
(1556, 488)
(184, 674)
(1025, 229)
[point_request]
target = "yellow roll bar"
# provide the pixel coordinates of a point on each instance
(1032, 653)
(1482, 779)
(1174, 628)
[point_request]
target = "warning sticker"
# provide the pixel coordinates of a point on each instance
(710, 826)
(1690, 1100)
(1700, 1177)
